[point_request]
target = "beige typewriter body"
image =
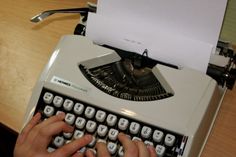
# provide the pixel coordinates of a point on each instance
(190, 111)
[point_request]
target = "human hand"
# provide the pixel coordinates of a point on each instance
(131, 148)
(36, 136)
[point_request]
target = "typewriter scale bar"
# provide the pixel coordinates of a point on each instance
(190, 112)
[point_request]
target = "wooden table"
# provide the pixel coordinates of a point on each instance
(25, 48)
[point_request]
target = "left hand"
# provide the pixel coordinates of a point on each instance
(36, 136)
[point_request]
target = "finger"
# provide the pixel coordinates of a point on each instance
(55, 128)
(142, 149)
(130, 148)
(78, 154)
(72, 147)
(53, 119)
(102, 150)
(44, 135)
(125, 140)
(152, 151)
(89, 153)
(34, 121)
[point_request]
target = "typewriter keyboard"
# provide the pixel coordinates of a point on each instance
(105, 125)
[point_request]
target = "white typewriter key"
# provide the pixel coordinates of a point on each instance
(148, 143)
(136, 138)
(134, 128)
(79, 108)
(78, 134)
(89, 112)
(102, 130)
(169, 140)
(82, 150)
(157, 136)
(70, 118)
(48, 97)
(101, 140)
(50, 149)
(93, 142)
(111, 120)
(58, 141)
(112, 147)
(91, 126)
(160, 150)
(48, 111)
(67, 134)
(123, 124)
(68, 104)
(113, 133)
(80, 122)
(121, 151)
(100, 116)
(94, 151)
(146, 132)
(68, 141)
(57, 101)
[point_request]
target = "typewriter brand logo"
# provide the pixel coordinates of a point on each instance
(63, 82)
(68, 84)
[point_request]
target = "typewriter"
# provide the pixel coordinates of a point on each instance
(104, 90)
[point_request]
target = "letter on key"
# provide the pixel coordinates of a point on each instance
(48, 111)
(134, 128)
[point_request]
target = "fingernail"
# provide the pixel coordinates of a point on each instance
(136, 141)
(121, 133)
(90, 150)
(101, 141)
(150, 147)
(37, 114)
(88, 137)
(61, 114)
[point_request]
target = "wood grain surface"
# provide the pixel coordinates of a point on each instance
(25, 48)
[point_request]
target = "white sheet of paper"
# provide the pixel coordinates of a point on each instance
(196, 19)
(180, 32)
(162, 44)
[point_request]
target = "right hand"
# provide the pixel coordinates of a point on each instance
(131, 148)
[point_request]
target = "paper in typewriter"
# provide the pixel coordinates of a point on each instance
(183, 32)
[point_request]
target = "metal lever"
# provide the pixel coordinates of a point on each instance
(47, 13)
